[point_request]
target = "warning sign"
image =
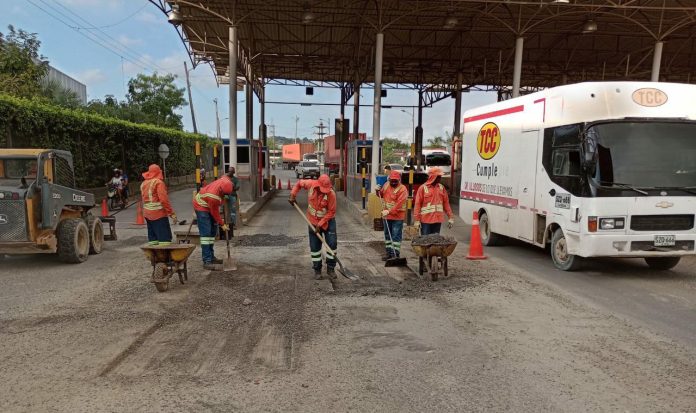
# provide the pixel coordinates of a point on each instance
(488, 140)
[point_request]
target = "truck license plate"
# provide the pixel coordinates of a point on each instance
(665, 240)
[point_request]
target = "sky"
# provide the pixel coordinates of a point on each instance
(104, 43)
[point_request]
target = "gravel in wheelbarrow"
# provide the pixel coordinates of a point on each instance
(433, 239)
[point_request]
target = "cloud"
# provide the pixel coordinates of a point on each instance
(148, 17)
(19, 11)
(128, 41)
(201, 78)
(91, 77)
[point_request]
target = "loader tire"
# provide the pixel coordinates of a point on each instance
(73, 240)
(96, 234)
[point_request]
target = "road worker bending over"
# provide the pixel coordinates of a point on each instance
(432, 202)
(394, 195)
(207, 204)
(321, 210)
(156, 207)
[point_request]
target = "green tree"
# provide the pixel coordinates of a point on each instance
(21, 68)
(389, 147)
(157, 98)
(58, 95)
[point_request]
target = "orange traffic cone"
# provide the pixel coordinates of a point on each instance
(475, 246)
(139, 219)
(289, 184)
(105, 209)
(280, 185)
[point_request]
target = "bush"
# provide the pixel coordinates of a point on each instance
(98, 143)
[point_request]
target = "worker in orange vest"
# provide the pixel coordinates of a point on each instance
(321, 212)
(207, 204)
(156, 207)
(431, 205)
(394, 195)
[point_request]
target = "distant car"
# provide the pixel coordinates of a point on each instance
(307, 169)
(396, 167)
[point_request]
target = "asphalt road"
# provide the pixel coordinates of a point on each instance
(662, 301)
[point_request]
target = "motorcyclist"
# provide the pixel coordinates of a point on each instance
(117, 183)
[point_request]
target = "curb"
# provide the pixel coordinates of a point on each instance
(247, 215)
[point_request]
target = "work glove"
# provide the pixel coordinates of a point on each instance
(417, 225)
(291, 200)
(378, 187)
(450, 223)
(173, 217)
(225, 227)
(385, 213)
(321, 225)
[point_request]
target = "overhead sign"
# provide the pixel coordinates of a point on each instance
(163, 151)
(488, 141)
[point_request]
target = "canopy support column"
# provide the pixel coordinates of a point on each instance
(517, 70)
(263, 135)
(377, 112)
(657, 61)
(233, 50)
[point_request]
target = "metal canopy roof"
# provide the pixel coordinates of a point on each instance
(427, 42)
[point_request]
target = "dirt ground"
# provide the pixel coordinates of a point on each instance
(98, 337)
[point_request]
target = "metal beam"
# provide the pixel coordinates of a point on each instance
(377, 110)
(233, 52)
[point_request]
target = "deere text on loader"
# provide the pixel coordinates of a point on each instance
(40, 209)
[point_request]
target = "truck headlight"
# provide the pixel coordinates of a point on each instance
(611, 223)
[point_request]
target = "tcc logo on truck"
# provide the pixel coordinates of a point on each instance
(3, 219)
(488, 140)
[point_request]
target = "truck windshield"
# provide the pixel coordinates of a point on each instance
(437, 159)
(646, 154)
(13, 170)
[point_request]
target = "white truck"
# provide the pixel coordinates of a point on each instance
(593, 169)
(438, 158)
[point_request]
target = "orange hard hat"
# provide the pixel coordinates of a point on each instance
(395, 176)
(435, 171)
(324, 183)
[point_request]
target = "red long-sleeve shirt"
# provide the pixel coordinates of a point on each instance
(156, 203)
(321, 207)
(211, 196)
(395, 201)
(432, 203)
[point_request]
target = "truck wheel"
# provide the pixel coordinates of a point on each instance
(73, 240)
(96, 234)
(559, 253)
(488, 238)
(662, 263)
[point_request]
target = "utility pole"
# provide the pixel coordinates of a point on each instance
(320, 133)
(297, 119)
(188, 86)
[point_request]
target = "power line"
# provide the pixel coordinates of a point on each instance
(114, 24)
(90, 38)
(102, 35)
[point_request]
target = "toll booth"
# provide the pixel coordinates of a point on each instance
(354, 180)
(250, 161)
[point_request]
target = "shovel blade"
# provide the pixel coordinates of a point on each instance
(346, 272)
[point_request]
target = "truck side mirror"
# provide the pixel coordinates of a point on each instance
(589, 150)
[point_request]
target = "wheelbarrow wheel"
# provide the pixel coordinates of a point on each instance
(160, 278)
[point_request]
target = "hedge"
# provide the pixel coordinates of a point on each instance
(98, 143)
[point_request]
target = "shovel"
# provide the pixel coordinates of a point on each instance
(228, 264)
(341, 269)
(396, 261)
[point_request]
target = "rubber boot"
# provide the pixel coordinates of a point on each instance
(331, 273)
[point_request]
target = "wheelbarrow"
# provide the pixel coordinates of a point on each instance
(166, 260)
(433, 257)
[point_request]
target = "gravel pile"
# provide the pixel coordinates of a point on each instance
(264, 240)
(433, 239)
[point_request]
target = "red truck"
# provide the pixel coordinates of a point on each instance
(293, 154)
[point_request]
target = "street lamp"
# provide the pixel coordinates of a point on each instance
(413, 124)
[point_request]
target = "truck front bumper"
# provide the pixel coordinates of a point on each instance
(625, 245)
